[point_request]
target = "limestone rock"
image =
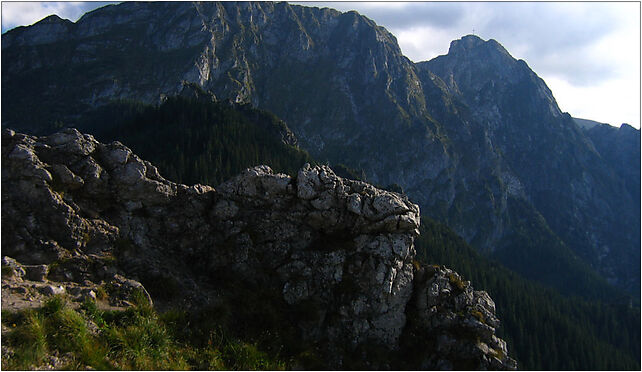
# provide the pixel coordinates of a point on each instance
(337, 250)
(51, 290)
(15, 269)
(36, 273)
(461, 323)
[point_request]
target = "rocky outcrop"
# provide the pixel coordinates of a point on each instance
(92, 215)
(456, 323)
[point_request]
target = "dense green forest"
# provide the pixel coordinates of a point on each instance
(198, 141)
(543, 329)
(202, 141)
(534, 251)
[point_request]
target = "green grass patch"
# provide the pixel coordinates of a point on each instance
(134, 339)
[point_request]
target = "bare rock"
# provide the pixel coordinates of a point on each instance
(51, 290)
(338, 250)
(36, 273)
(461, 323)
(15, 269)
(66, 177)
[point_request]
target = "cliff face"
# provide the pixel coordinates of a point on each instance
(474, 137)
(335, 251)
(620, 147)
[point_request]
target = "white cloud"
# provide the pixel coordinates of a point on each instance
(613, 101)
(422, 42)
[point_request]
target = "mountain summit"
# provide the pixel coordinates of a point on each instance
(484, 74)
(475, 136)
(475, 44)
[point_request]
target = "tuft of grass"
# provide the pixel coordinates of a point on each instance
(134, 339)
(54, 305)
(243, 356)
(30, 341)
(67, 330)
(139, 340)
(101, 293)
(456, 281)
(92, 312)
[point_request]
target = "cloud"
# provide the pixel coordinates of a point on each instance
(417, 14)
(560, 38)
(614, 101)
(23, 13)
(547, 35)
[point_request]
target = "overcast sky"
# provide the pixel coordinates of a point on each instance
(588, 53)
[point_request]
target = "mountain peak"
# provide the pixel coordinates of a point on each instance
(474, 44)
(628, 128)
(52, 19)
(466, 42)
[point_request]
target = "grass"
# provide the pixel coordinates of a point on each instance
(497, 353)
(101, 293)
(456, 281)
(134, 339)
(30, 339)
(478, 315)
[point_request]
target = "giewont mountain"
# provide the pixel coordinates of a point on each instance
(570, 178)
(475, 137)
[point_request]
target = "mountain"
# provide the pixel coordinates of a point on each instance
(474, 137)
(552, 161)
(620, 148)
(312, 264)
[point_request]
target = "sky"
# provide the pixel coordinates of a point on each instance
(588, 53)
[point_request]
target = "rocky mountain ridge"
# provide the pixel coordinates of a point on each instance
(484, 149)
(549, 161)
(339, 253)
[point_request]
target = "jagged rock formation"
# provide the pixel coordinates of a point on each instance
(337, 250)
(475, 137)
(443, 308)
